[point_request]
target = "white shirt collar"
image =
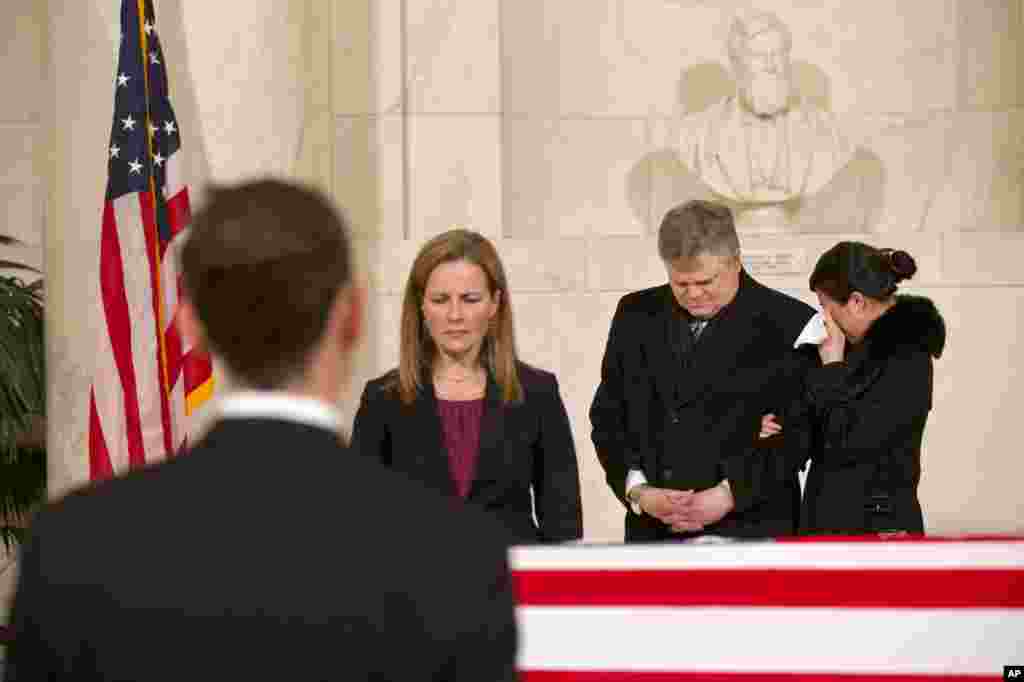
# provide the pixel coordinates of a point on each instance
(279, 405)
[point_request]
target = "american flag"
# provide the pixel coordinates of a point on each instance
(147, 379)
(836, 610)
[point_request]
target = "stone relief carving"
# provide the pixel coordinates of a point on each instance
(765, 147)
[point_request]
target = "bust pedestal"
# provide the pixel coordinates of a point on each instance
(767, 218)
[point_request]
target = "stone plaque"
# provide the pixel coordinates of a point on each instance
(769, 262)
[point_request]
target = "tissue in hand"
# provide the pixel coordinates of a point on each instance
(814, 332)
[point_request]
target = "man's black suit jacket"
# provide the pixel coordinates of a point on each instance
(524, 447)
(688, 413)
(267, 552)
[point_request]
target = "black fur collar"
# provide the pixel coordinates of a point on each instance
(912, 321)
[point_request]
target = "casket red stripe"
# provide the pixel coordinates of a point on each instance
(841, 588)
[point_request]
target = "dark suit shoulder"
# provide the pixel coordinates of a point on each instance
(92, 497)
(790, 313)
(535, 379)
(382, 390)
(385, 383)
(76, 503)
(780, 301)
(650, 300)
(79, 517)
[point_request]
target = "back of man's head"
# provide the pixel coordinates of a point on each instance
(263, 265)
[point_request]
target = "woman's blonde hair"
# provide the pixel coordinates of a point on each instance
(417, 350)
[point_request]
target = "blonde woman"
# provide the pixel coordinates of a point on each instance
(461, 413)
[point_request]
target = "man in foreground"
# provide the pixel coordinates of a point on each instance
(267, 551)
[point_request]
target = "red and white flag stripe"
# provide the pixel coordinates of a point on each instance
(132, 423)
(127, 412)
(787, 611)
(146, 377)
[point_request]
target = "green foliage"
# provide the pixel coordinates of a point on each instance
(22, 400)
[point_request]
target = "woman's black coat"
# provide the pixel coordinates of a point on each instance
(861, 422)
(526, 451)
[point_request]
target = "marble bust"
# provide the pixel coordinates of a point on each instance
(764, 145)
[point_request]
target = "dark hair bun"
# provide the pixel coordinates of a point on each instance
(901, 264)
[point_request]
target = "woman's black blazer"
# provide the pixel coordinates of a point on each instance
(863, 420)
(526, 473)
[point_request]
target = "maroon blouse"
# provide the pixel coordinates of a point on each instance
(460, 423)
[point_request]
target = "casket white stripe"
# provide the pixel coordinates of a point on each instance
(771, 640)
(858, 555)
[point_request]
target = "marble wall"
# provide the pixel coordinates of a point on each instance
(23, 139)
(24, 150)
(554, 127)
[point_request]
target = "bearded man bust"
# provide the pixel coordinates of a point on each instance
(764, 145)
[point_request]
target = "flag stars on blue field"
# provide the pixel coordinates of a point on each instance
(144, 126)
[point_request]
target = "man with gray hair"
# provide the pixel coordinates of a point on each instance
(690, 368)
